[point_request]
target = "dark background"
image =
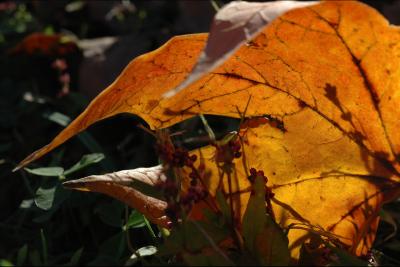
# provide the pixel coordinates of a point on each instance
(107, 35)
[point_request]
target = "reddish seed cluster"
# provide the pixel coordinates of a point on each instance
(253, 174)
(179, 157)
(235, 148)
(226, 153)
(169, 189)
(194, 195)
(184, 203)
(170, 192)
(176, 157)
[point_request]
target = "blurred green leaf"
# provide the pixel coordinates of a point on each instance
(173, 243)
(193, 238)
(34, 257)
(254, 218)
(4, 262)
(22, 255)
(44, 246)
(387, 217)
(135, 220)
(58, 118)
(271, 245)
(223, 205)
(45, 197)
(140, 253)
(262, 236)
(51, 196)
(46, 171)
(26, 203)
(74, 6)
(48, 30)
(214, 218)
(85, 161)
(75, 258)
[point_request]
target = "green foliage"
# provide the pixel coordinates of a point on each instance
(75, 258)
(135, 220)
(255, 219)
(47, 171)
(4, 262)
(41, 222)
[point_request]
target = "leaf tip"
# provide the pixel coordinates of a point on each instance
(24, 162)
(75, 185)
(17, 168)
(33, 156)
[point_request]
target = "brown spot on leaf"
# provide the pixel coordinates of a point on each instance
(151, 104)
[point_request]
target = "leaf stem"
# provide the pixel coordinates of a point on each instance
(210, 132)
(44, 246)
(153, 235)
(231, 198)
(128, 240)
(215, 5)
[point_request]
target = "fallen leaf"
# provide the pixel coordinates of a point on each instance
(325, 76)
(234, 25)
(119, 186)
(164, 69)
(312, 185)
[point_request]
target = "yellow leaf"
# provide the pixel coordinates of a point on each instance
(328, 74)
(320, 177)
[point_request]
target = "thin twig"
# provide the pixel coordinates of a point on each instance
(208, 128)
(128, 240)
(215, 5)
(230, 197)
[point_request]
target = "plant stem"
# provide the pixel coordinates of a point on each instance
(215, 5)
(230, 197)
(128, 240)
(44, 246)
(153, 235)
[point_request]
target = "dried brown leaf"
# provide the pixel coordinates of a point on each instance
(119, 185)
